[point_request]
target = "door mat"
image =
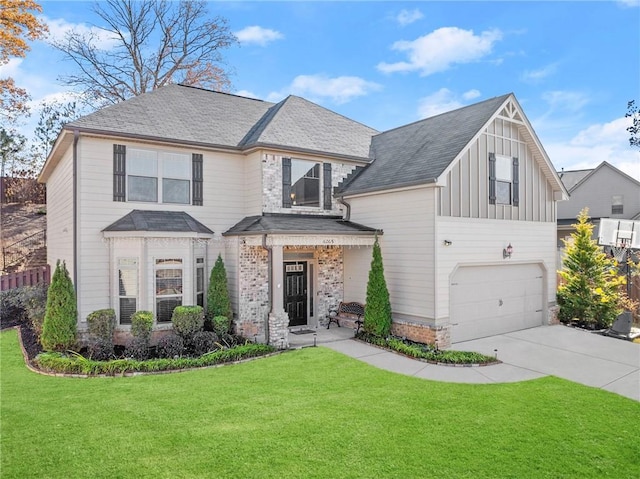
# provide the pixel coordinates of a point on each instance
(303, 331)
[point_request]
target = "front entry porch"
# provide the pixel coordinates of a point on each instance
(318, 336)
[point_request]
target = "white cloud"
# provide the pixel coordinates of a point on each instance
(339, 89)
(533, 76)
(258, 35)
(597, 143)
(441, 49)
(247, 94)
(59, 28)
(629, 3)
(11, 68)
(442, 101)
(406, 17)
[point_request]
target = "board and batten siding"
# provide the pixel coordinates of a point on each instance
(408, 222)
(223, 206)
(60, 214)
(466, 190)
(481, 242)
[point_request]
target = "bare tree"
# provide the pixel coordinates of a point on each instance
(154, 43)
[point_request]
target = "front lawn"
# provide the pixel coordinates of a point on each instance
(303, 414)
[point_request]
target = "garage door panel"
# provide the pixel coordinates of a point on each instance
(495, 299)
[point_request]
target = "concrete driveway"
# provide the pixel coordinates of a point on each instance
(580, 356)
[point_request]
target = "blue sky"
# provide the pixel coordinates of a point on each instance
(573, 66)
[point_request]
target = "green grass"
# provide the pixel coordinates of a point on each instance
(304, 414)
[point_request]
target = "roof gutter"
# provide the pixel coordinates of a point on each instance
(347, 216)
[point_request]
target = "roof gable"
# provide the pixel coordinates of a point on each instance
(583, 176)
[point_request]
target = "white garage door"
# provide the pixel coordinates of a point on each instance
(488, 300)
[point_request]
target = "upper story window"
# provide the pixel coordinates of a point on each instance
(306, 183)
(617, 204)
(503, 180)
(156, 176)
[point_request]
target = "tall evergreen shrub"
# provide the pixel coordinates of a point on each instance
(377, 313)
(589, 294)
(218, 303)
(59, 329)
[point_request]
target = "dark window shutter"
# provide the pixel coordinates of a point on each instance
(286, 182)
(492, 178)
(516, 183)
(326, 185)
(119, 173)
(196, 168)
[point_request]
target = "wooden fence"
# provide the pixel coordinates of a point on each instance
(29, 277)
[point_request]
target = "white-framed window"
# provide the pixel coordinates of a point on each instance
(127, 289)
(617, 205)
(305, 183)
(158, 177)
(200, 282)
(168, 287)
(504, 179)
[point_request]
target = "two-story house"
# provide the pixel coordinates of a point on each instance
(144, 195)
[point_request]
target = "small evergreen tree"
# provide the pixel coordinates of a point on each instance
(589, 295)
(377, 314)
(218, 303)
(60, 320)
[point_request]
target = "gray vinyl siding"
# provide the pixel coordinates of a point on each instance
(407, 245)
(596, 192)
(466, 195)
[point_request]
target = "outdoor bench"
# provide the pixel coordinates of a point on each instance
(351, 312)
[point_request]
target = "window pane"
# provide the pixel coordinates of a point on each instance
(503, 192)
(176, 165)
(142, 162)
(200, 299)
(128, 282)
(168, 281)
(127, 308)
(504, 169)
(165, 307)
(168, 261)
(143, 188)
(175, 191)
(199, 279)
(305, 183)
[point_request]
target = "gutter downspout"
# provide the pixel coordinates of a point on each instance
(341, 200)
(76, 137)
(270, 284)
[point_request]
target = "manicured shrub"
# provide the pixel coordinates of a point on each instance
(60, 321)
(142, 324)
(221, 325)
(187, 321)
(377, 313)
(34, 302)
(204, 342)
(589, 294)
(218, 303)
(102, 324)
(11, 308)
(137, 348)
(100, 349)
(170, 346)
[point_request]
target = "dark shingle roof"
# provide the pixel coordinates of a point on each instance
(165, 221)
(193, 115)
(573, 177)
(420, 152)
(272, 223)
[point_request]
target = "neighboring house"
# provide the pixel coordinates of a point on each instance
(143, 196)
(605, 190)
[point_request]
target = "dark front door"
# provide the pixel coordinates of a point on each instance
(295, 292)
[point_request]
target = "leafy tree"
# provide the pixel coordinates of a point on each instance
(218, 303)
(589, 295)
(156, 43)
(634, 113)
(377, 313)
(61, 316)
(17, 25)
